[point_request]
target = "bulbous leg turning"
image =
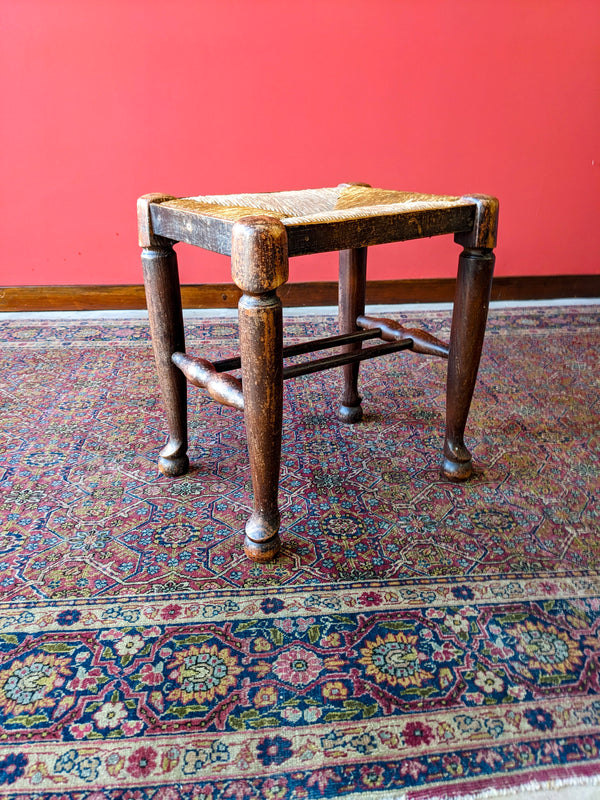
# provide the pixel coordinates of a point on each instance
(173, 459)
(262, 542)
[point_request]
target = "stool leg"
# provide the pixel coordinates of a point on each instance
(261, 345)
(474, 283)
(163, 296)
(352, 287)
(259, 265)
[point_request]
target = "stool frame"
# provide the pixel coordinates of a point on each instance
(260, 246)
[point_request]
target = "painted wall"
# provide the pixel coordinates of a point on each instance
(103, 101)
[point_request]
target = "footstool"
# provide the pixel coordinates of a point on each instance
(260, 232)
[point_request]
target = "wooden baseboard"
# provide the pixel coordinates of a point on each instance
(317, 293)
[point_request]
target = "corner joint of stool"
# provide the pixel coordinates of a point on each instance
(146, 235)
(259, 254)
(485, 228)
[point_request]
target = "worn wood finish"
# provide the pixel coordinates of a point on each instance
(202, 373)
(351, 303)
(147, 236)
(161, 279)
(206, 232)
(214, 234)
(260, 231)
(475, 271)
(314, 293)
(391, 331)
(469, 317)
(259, 265)
(225, 389)
(301, 348)
(484, 232)
(166, 324)
(321, 237)
(342, 359)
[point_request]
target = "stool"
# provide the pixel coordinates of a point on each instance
(260, 232)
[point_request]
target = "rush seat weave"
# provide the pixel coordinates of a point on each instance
(347, 201)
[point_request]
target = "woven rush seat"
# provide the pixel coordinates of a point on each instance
(260, 231)
(314, 218)
(315, 205)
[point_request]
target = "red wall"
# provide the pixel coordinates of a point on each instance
(103, 101)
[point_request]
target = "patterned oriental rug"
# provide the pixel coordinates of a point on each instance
(416, 639)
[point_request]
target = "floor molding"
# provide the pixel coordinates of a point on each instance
(316, 293)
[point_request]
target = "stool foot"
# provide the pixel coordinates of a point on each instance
(457, 465)
(350, 414)
(173, 460)
(262, 542)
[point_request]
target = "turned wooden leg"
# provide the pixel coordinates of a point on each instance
(352, 285)
(473, 287)
(471, 303)
(259, 266)
(163, 298)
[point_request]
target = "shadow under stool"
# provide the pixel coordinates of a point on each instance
(260, 232)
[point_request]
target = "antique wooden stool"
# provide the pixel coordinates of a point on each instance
(260, 232)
